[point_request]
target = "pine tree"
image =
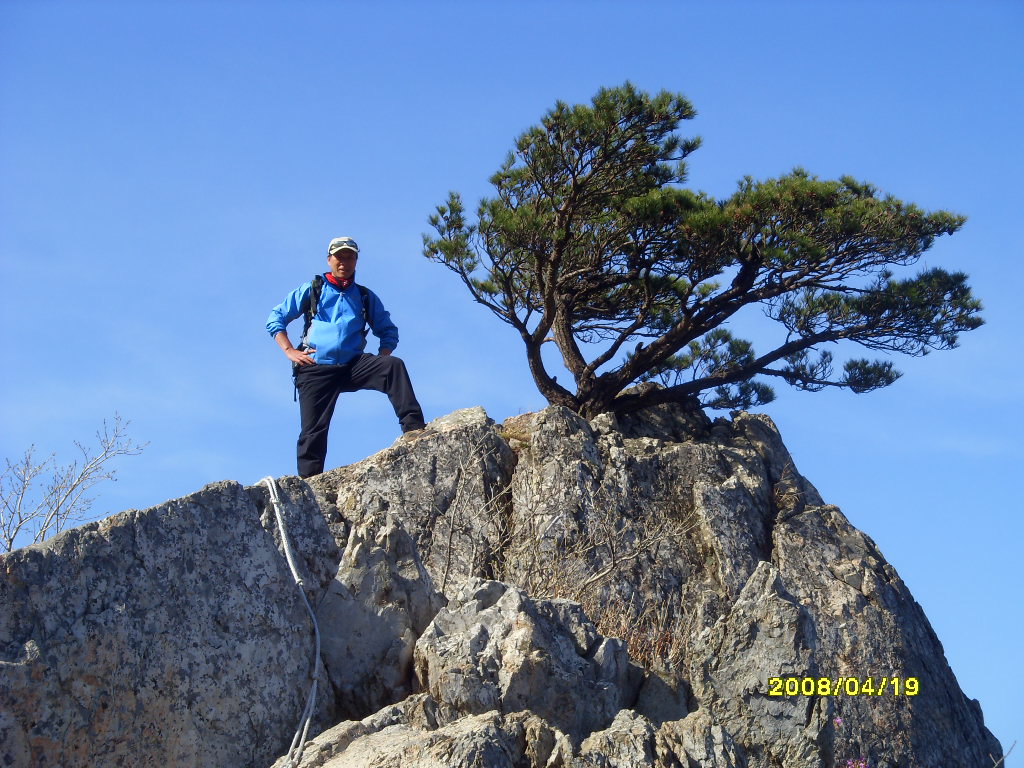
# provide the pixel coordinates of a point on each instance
(593, 241)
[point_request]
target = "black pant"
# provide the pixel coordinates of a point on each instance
(319, 387)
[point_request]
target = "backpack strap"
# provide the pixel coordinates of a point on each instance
(310, 306)
(364, 293)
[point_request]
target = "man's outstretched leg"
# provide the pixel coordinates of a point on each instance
(387, 374)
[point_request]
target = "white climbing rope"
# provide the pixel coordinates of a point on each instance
(299, 741)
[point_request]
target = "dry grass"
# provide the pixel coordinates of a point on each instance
(593, 555)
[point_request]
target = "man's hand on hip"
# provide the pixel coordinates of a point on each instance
(301, 358)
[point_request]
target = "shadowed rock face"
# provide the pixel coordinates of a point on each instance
(175, 636)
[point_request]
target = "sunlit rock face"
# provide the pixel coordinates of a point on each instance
(628, 591)
(172, 636)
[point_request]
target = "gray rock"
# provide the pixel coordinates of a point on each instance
(495, 649)
(626, 743)
(765, 629)
(371, 615)
(448, 488)
(697, 740)
(490, 740)
(761, 580)
(663, 698)
(171, 636)
(416, 712)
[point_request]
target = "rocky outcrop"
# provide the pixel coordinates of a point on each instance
(546, 592)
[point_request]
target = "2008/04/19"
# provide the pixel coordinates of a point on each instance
(842, 686)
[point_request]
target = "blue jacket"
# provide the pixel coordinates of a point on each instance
(336, 331)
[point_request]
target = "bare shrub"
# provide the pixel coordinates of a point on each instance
(39, 499)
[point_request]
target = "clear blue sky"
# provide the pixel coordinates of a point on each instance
(169, 171)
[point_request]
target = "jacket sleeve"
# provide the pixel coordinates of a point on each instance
(288, 310)
(380, 323)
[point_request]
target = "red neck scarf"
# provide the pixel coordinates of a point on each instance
(339, 282)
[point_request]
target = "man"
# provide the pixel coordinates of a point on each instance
(330, 359)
